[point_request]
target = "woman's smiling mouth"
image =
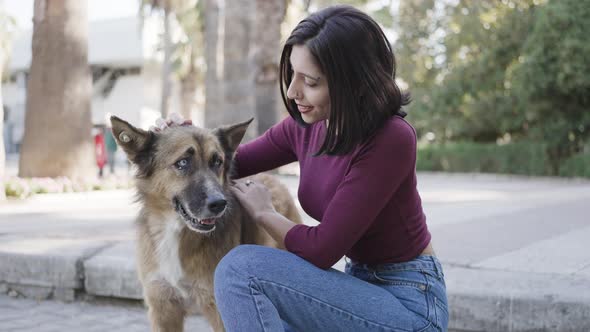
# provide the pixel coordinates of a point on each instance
(304, 109)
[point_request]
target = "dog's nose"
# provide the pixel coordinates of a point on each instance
(216, 205)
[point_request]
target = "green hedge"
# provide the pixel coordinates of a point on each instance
(514, 158)
(578, 166)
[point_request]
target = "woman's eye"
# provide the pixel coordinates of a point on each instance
(181, 164)
(310, 84)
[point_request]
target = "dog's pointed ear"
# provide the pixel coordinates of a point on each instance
(231, 136)
(131, 139)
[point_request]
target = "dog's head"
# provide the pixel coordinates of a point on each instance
(185, 169)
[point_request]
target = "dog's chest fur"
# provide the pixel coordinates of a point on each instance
(170, 268)
(192, 283)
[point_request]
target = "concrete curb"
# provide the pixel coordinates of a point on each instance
(112, 273)
(493, 300)
(46, 269)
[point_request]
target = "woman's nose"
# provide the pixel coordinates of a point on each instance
(292, 90)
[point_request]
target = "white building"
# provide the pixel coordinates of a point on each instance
(125, 68)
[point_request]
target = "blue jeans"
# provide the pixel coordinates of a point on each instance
(260, 289)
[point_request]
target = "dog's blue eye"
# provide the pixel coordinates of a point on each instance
(216, 162)
(181, 164)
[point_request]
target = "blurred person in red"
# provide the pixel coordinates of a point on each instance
(100, 151)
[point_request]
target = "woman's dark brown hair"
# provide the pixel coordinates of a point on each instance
(355, 56)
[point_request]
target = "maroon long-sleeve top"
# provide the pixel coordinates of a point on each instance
(366, 201)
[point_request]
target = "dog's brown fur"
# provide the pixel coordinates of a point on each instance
(177, 255)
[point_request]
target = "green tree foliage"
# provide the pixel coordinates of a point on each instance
(187, 53)
(380, 10)
(478, 90)
(553, 78)
(464, 91)
(506, 70)
(416, 51)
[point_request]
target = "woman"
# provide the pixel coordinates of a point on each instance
(357, 157)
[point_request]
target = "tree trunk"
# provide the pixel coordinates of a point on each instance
(188, 93)
(2, 152)
(230, 72)
(57, 140)
(166, 65)
(212, 37)
(266, 41)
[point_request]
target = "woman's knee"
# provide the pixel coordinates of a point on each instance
(236, 261)
(237, 267)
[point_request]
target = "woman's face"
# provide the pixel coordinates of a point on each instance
(309, 87)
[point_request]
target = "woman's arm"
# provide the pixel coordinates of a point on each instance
(276, 225)
(273, 149)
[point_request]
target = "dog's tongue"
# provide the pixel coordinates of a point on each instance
(208, 221)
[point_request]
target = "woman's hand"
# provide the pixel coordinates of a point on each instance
(174, 119)
(256, 200)
(254, 197)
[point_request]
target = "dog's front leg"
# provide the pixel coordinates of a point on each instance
(212, 315)
(166, 308)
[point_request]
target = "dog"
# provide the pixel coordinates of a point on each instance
(189, 218)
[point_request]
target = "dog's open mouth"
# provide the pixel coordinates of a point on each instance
(200, 225)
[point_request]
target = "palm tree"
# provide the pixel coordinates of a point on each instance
(241, 50)
(57, 140)
(169, 9)
(2, 152)
(238, 81)
(166, 7)
(188, 57)
(6, 23)
(266, 42)
(212, 39)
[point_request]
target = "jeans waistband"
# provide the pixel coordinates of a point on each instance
(420, 263)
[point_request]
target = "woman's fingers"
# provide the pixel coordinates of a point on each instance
(161, 123)
(250, 187)
(253, 196)
(236, 189)
(173, 120)
(243, 186)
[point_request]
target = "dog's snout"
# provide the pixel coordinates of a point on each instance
(216, 205)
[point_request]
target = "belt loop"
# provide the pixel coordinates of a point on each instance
(434, 264)
(438, 266)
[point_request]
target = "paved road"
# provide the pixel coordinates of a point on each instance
(96, 316)
(18, 315)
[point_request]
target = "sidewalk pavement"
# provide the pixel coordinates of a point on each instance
(98, 315)
(512, 248)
